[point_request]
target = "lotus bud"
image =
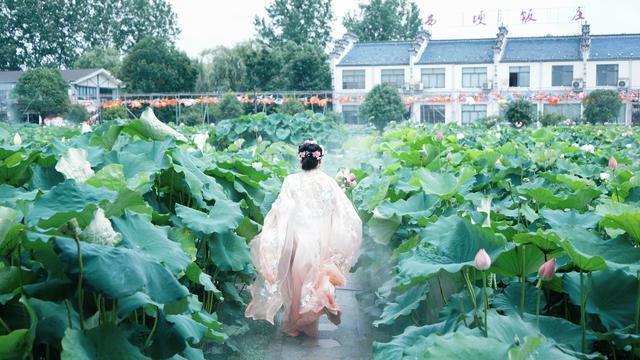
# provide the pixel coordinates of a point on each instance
(613, 163)
(449, 156)
(259, 139)
(604, 176)
(257, 165)
(255, 129)
(439, 136)
(17, 140)
(460, 136)
(482, 260)
(498, 162)
(547, 270)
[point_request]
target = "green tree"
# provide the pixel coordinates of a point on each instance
(229, 107)
(521, 110)
(291, 106)
(298, 21)
(263, 66)
(382, 20)
(382, 105)
(100, 58)
(76, 113)
(601, 106)
(152, 65)
(224, 69)
(306, 67)
(41, 91)
(55, 33)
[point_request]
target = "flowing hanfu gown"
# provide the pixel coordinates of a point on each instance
(308, 243)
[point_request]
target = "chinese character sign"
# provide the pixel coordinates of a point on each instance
(431, 20)
(527, 16)
(479, 19)
(579, 15)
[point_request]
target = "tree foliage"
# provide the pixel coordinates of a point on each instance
(601, 106)
(100, 58)
(152, 65)
(382, 20)
(41, 91)
(382, 105)
(291, 106)
(521, 111)
(55, 33)
(229, 107)
(297, 21)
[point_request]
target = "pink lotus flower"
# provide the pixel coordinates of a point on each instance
(439, 136)
(259, 139)
(482, 260)
(449, 156)
(547, 270)
(613, 163)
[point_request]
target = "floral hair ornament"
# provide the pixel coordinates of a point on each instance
(315, 154)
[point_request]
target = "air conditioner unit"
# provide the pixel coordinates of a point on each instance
(487, 85)
(622, 84)
(419, 86)
(406, 87)
(577, 85)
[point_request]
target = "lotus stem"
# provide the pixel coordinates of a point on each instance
(638, 303)
(153, 330)
(583, 319)
(486, 304)
(538, 307)
(523, 282)
(464, 317)
(472, 295)
(444, 299)
(4, 325)
(66, 303)
(80, 277)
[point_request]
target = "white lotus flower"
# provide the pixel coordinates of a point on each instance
(85, 128)
(157, 129)
(257, 165)
(200, 140)
(460, 136)
(100, 231)
(485, 207)
(17, 139)
(73, 164)
(588, 148)
(628, 146)
(604, 176)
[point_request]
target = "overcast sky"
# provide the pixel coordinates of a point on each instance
(209, 23)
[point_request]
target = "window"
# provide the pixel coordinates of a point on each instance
(85, 91)
(353, 79)
(433, 77)
(432, 113)
(393, 76)
(607, 75)
(561, 75)
(351, 113)
(518, 76)
(571, 111)
(471, 113)
(473, 77)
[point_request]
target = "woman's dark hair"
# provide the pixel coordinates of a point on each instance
(306, 151)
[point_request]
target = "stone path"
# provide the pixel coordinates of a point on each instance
(351, 340)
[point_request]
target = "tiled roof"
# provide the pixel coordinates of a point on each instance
(67, 75)
(378, 53)
(561, 48)
(472, 51)
(615, 47)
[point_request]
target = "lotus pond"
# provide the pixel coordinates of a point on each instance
(130, 240)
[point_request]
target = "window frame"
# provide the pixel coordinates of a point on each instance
(433, 76)
(354, 76)
(474, 76)
(395, 75)
(350, 111)
(519, 79)
(601, 71)
(435, 110)
(562, 70)
(474, 114)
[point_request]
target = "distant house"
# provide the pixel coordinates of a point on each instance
(463, 80)
(92, 85)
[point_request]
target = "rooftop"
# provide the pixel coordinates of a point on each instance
(463, 51)
(377, 53)
(67, 75)
(548, 48)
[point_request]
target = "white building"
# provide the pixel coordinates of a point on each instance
(93, 85)
(466, 79)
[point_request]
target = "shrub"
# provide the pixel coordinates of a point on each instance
(76, 113)
(229, 107)
(551, 119)
(42, 91)
(113, 113)
(192, 116)
(601, 106)
(382, 105)
(490, 121)
(291, 107)
(520, 111)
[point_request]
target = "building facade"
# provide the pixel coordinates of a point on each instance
(88, 86)
(463, 80)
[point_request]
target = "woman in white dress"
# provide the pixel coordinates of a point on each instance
(308, 243)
